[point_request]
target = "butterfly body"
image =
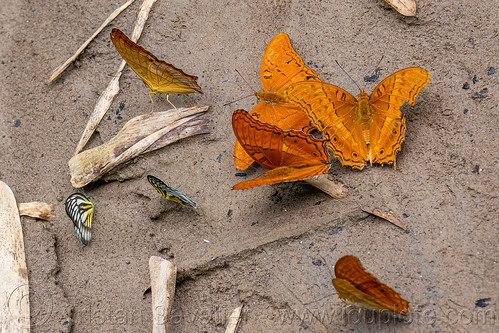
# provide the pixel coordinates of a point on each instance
(368, 129)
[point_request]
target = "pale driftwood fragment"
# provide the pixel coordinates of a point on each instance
(108, 95)
(404, 7)
(326, 184)
(234, 320)
(163, 275)
(14, 288)
(59, 70)
(140, 135)
(36, 209)
(389, 216)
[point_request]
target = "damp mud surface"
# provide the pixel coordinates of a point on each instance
(271, 248)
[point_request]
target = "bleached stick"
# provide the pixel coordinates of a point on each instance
(163, 275)
(14, 288)
(59, 70)
(234, 320)
(108, 95)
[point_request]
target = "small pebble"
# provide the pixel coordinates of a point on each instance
(373, 78)
(65, 323)
(240, 174)
(335, 231)
(466, 85)
(219, 158)
(405, 215)
(475, 80)
(206, 240)
(229, 213)
(491, 71)
(17, 123)
(122, 105)
(481, 94)
(317, 262)
(483, 302)
(465, 111)
(317, 203)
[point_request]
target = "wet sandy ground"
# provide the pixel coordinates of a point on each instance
(270, 248)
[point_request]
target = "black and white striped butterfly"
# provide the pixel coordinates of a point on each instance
(169, 192)
(81, 210)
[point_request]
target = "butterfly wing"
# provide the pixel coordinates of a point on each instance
(284, 116)
(169, 192)
(283, 174)
(80, 210)
(332, 110)
(282, 66)
(271, 147)
(364, 290)
(388, 124)
(158, 75)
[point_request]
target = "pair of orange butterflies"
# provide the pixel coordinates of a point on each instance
(295, 102)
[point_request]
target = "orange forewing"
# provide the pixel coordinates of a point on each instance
(281, 66)
(157, 75)
(291, 155)
(368, 129)
(355, 285)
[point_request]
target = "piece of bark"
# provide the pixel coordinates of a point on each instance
(14, 288)
(404, 7)
(234, 320)
(389, 216)
(59, 70)
(163, 275)
(326, 184)
(36, 209)
(106, 98)
(140, 135)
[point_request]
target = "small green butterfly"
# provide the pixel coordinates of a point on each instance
(81, 210)
(169, 192)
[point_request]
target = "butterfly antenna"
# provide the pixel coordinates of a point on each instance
(238, 99)
(336, 61)
(242, 77)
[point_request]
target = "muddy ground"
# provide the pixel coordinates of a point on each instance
(265, 243)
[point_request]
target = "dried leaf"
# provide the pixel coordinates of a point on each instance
(108, 95)
(389, 215)
(59, 70)
(404, 7)
(140, 135)
(36, 209)
(326, 184)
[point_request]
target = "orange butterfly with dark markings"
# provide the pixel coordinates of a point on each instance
(358, 287)
(368, 129)
(281, 66)
(290, 155)
(157, 75)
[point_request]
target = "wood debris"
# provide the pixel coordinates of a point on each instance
(140, 135)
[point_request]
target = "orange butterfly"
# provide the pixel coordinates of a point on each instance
(291, 155)
(368, 129)
(355, 285)
(157, 75)
(281, 66)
